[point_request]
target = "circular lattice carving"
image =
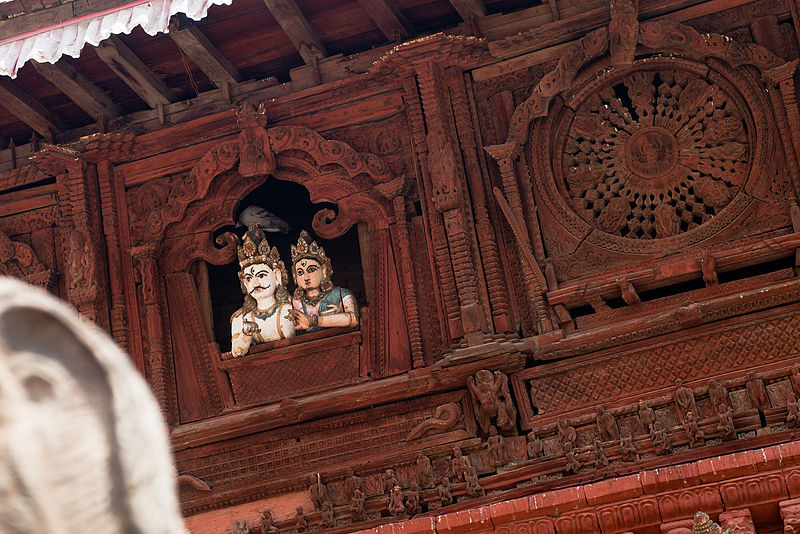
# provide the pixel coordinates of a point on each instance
(652, 158)
(655, 153)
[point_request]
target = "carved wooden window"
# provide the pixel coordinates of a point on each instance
(290, 202)
(175, 221)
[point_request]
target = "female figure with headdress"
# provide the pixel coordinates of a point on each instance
(265, 313)
(317, 303)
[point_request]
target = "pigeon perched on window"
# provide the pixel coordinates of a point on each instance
(268, 222)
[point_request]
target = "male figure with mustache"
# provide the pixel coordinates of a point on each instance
(264, 315)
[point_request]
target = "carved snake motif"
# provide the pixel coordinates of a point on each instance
(445, 417)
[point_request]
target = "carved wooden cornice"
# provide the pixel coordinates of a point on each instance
(448, 50)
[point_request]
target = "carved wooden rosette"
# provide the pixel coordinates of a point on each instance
(81, 230)
(637, 158)
(185, 210)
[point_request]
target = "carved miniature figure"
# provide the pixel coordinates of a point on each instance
(793, 411)
(316, 303)
(566, 434)
(492, 400)
(396, 506)
(473, 488)
(267, 526)
(600, 459)
(425, 471)
(684, 399)
(496, 448)
(326, 515)
(389, 481)
(300, 521)
(265, 313)
(717, 393)
(412, 499)
(535, 446)
(352, 483)
(661, 442)
(757, 392)
(725, 422)
(646, 417)
(628, 449)
(357, 510)
(606, 425)
(240, 527)
(459, 465)
(573, 465)
(318, 492)
(795, 379)
(445, 494)
(696, 436)
(703, 524)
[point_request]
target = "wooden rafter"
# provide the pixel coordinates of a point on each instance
(28, 110)
(194, 43)
(469, 8)
(79, 89)
(134, 72)
(388, 18)
(554, 9)
(298, 30)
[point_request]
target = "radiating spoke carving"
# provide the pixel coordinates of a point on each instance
(655, 154)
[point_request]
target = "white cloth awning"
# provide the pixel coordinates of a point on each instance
(49, 44)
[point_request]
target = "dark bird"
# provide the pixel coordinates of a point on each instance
(268, 222)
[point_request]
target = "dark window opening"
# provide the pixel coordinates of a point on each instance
(290, 202)
(673, 289)
(757, 270)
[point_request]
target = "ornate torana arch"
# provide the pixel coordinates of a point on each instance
(332, 171)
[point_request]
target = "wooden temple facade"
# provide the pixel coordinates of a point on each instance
(573, 232)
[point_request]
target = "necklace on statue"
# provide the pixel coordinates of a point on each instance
(265, 314)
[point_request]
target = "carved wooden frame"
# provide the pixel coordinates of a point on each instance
(184, 212)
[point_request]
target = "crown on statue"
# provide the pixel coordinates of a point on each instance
(255, 249)
(308, 248)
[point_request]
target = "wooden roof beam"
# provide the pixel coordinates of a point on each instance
(298, 30)
(469, 8)
(388, 18)
(134, 72)
(28, 110)
(194, 43)
(80, 90)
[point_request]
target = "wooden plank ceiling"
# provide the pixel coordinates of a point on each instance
(247, 41)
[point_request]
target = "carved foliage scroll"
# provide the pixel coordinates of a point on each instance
(19, 260)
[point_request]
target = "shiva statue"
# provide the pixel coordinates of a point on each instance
(316, 303)
(265, 314)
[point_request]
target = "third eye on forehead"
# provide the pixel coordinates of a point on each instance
(256, 270)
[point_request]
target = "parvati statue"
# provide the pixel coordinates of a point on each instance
(316, 303)
(265, 313)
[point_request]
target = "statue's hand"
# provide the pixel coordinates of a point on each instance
(301, 320)
(249, 328)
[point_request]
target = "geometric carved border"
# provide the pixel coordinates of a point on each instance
(555, 389)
